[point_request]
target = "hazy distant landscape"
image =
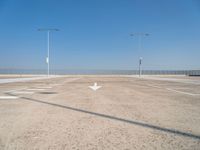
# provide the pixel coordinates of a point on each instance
(104, 72)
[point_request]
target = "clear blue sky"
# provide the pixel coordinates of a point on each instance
(94, 34)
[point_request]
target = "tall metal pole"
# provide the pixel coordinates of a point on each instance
(140, 66)
(48, 48)
(140, 35)
(139, 49)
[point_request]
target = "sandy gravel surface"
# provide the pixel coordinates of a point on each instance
(126, 113)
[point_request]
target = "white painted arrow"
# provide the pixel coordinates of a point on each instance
(95, 87)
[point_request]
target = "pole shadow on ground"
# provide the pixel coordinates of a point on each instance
(146, 125)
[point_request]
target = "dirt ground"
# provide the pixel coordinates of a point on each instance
(126, 113)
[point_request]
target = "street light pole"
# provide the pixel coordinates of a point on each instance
(48, 30)
(140, 65)
(140, 35)
(47, 59)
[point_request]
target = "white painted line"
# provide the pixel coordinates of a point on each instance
(55, 84)
(45, 87)
(71, 80)
(22, 92)
(153, 86)
(10, 91)
(191, 94)
(8, 97)
(35, 89)
(177, 91)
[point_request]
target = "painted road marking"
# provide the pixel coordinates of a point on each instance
(45, 87)
(35, 89)
(22, 92)
(154, 86)
(192, 94)
(8, 97)
(55, 84)
(172, 90)
(71, 80)
(11, 91)
(95, 87)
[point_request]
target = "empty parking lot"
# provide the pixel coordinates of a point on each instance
(127, 112)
